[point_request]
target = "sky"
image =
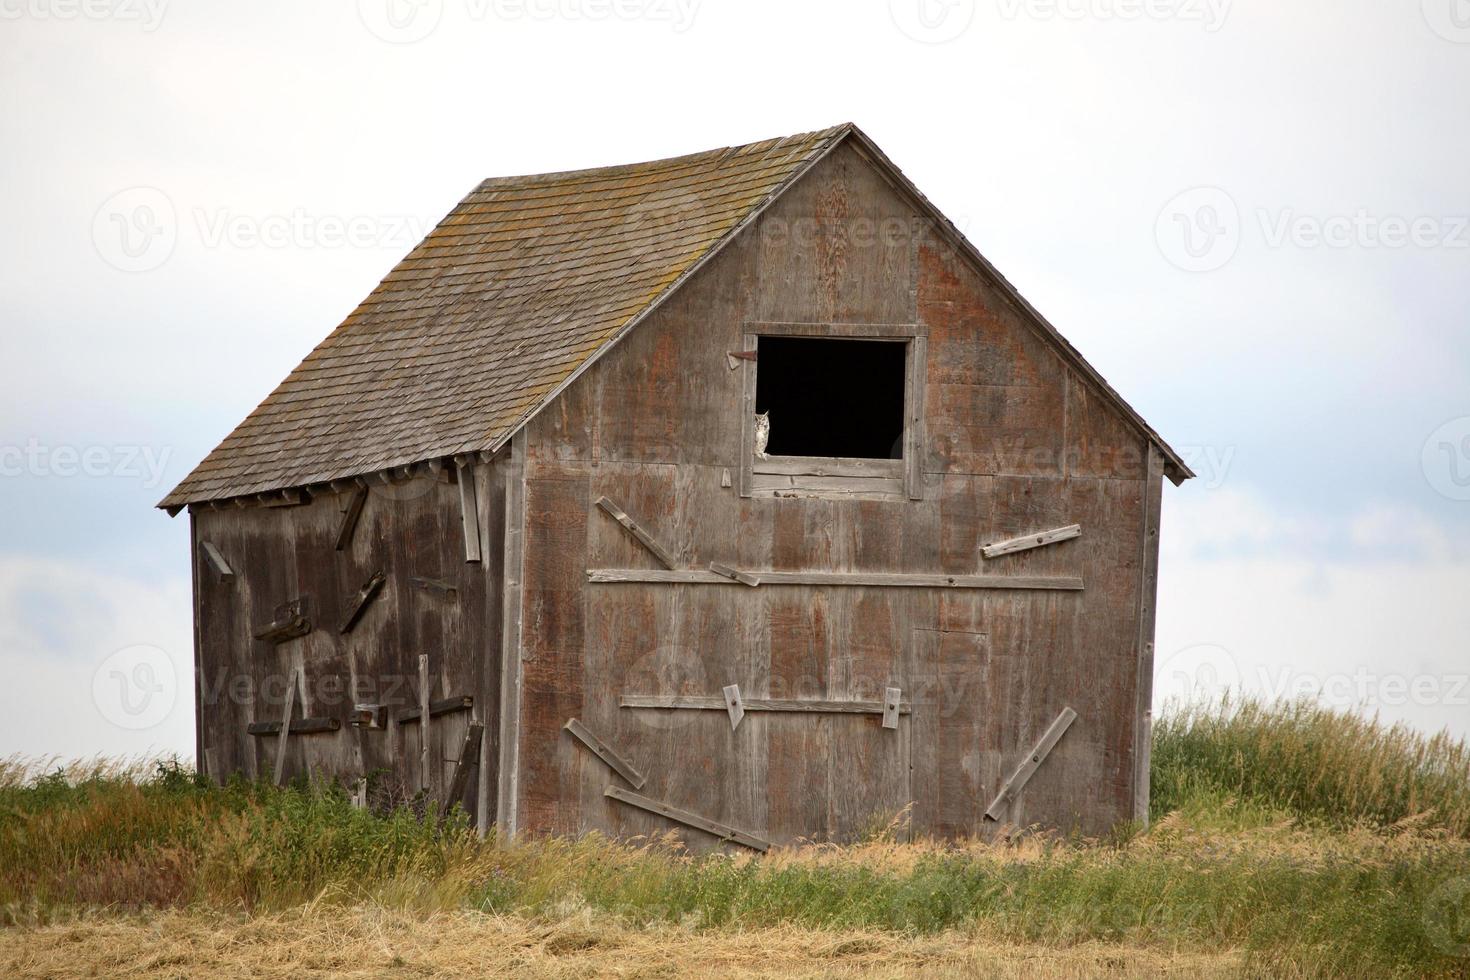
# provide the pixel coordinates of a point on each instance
(1251, 216)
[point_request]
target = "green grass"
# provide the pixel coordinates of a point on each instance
(1337, 768)
(1322, 844)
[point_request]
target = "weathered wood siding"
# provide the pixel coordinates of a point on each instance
(1014, 443)
(407, 530)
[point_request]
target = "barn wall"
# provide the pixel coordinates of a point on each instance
(410, 529)
(1015, 443)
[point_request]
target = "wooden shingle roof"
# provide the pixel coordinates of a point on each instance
(517, 288)
(514, 290)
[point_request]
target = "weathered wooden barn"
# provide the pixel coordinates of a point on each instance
(734, 493)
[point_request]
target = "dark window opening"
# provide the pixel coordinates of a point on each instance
(829, 397)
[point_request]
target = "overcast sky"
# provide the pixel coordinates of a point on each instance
(1251, 216)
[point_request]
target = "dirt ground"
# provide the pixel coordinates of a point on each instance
(335, 942)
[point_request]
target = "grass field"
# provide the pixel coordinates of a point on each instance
(1286, 841)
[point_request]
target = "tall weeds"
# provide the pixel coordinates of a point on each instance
(1318, 842)
(1335, 767)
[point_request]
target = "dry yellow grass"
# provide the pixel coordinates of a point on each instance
(373, 942)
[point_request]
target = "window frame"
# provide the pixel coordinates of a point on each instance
(827, 476)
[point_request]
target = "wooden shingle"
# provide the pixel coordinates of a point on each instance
(512, 292)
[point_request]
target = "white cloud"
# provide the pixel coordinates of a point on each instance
(59, 625)
(1381, 625)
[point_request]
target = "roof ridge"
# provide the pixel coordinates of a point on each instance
(720, 152)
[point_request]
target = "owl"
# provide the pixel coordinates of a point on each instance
(762, 434)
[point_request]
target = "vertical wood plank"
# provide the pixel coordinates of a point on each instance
(749, 342)
(280, 768)
(1147, 602)
(913, 426)
(469, 510)
(508, 801)
(425, 766)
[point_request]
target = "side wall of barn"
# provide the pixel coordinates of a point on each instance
(1014, 442)
(432, 602)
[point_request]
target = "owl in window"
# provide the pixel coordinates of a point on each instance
(762, 433)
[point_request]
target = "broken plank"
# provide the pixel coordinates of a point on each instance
(434, 586)
(639, 534)
(360, 601)
(1030, 541)
(688, 819)
(426, 712)
(292, 620)
(1012, 787)
(469, 758)
(301, 726)
(284, 729)
(734, 705)
(696, 703)
(436, 708)
(350, 518)
(286, 498)
(628, 576)
(217, 561)
(892, 698)
(734, 574)
(614, 760)
(469, 507)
